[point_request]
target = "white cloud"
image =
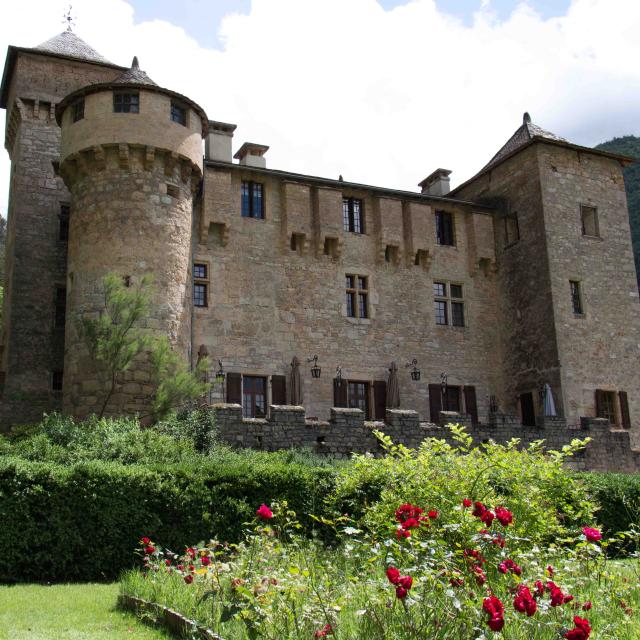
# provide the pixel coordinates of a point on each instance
(381, 97)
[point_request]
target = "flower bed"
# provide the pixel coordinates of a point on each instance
(464, 574)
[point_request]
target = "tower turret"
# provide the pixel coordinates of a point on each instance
(131, 156)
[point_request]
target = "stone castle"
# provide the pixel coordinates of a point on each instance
(520, 279)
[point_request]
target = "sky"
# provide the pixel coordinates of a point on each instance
(380, 91)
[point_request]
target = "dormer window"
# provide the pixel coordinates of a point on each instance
(178, 113)
(78, 110)
(126, 102)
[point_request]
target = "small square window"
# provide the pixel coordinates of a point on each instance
(352, 217)
(178, 113)
(439, 289)
(448, 309)
(78, 110)
(252, 201)
(124, 102)
(589, 216)
(444, 228)
(441, 312)
(456, 290)
(200, 294)
(200, 271)
(357, 296)
(457, 314)
(576, 297)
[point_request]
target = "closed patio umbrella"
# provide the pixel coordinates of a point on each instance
(549, 406)
(294, 382)
(393, 389)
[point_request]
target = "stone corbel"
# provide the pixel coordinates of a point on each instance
(123, 156)
(99, 158)
(149, 158)
(170, 161)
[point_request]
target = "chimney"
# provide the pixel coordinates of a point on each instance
(436, 183)
(217, 145)
(252, 155)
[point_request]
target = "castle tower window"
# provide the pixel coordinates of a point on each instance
(352, 215)
(60, 314)
(56, 381)
(77, 112)
(589, 217)
(448, 306)
(252, 201)
(358, 396)
(357, 296)
(576, 297)
(178, 113)
(63, 217)
(606, 405)
(126, 102)
(254, 396)
(444, 228)
(200, 284)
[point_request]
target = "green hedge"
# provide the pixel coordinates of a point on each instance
(83, 522)
(618, 495)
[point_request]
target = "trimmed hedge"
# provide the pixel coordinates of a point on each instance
(618, 495)
(83, 522)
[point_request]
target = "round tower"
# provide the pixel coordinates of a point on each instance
(131, 156)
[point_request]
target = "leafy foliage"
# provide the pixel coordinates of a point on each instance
(630, 146)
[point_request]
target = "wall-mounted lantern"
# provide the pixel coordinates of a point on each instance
(415, 372)
(219, 379)
(443, 388)
(315, 370)
(339, 375)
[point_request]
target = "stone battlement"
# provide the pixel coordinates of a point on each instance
(348, 432)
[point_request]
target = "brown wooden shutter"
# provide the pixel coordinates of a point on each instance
(278, 390)
(624, 410)
(379, 399)
(435, 402)
(339, 393)
(600, 403)
(234, 388)
(471, 406)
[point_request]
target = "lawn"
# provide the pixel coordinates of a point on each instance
(68, 612)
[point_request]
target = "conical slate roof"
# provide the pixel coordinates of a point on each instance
(523, 134)
(69, 44)
(135, 75)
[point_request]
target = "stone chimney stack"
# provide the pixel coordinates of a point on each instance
(436, 183)
(217, 144)
(252, 155)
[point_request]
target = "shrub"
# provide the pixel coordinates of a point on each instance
(82, 521)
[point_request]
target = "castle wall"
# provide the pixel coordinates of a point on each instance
(599, 349)
(269, 301)
(528, 333)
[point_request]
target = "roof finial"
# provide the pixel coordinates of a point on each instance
(134, 63)
(66, 17)
(526, 118)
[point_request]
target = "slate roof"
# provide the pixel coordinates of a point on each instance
(135, 75)
(69, 44)
(523, 134)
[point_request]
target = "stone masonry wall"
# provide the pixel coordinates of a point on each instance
(347, 432)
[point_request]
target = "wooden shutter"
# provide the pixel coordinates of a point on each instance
(600, 403)
(379, 399)
(471, 406)
(624, 410)
(435, 402)
(278, 390)
(234, 388)
(339, 393)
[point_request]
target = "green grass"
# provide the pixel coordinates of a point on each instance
(68, 612)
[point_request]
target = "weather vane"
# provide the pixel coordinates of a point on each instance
(69, 19)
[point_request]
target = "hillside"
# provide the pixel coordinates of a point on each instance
(630, 146)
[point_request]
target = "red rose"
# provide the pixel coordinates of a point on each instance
(592, 535)
(493, 606)
(264, 512)
(402, 533)
(191, 552)
(481, 576)
(433, 514)
(505, 517)
(167, 562)
(393, 575)
(495, 623)
(188, 579)
(145, 540)
(401, 593)
(550, 570)
(406, 511)
(487, 517)
(466, 503)
(410, 523)
(539, 589)
(205, 560)
(478, 509)
(581, 631)
(524, 602)
(149, 549)
(406, 582)
(587, 605)
(180, 567)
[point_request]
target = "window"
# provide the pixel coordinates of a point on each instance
(589, 216)
(200, 284)
(63, 217)
(511, 229)
(451, 400)
(251, 200)
(60, 314)
(77, 112)
(254, 397)
(173, 191)
(444, 228)
(56, 381)
(357, 296)
(352, 215)
(606, 405)
(448, 307)
(576, 298)
(358, 396)
(126, 102)
(178, 113)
